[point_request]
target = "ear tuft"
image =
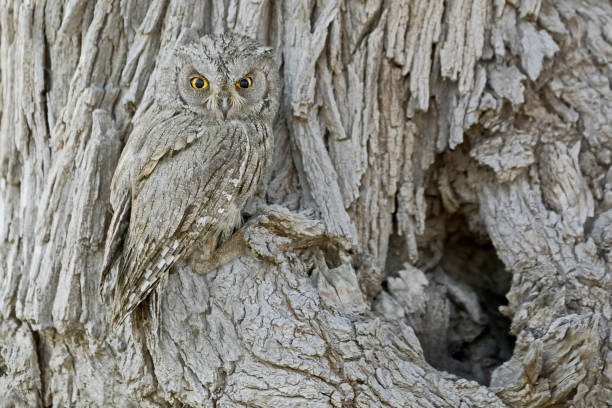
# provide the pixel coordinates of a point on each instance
(264, 51)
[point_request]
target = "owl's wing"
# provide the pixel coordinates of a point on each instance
(131, 160)
(178, 201)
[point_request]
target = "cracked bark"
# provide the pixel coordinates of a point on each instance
(432, 158)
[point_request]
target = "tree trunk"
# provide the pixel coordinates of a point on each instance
(432, 157)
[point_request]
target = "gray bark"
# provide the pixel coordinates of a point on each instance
(432, 157)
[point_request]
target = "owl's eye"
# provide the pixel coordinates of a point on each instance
(199, 83)
(245, 82)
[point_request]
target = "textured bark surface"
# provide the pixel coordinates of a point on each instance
(433, 158)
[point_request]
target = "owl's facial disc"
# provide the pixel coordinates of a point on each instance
(222, 78)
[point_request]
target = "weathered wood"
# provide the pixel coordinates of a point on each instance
(431, 158)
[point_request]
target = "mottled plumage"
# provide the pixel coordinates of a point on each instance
(191, 162)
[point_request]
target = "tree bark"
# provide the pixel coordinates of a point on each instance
(431, 158)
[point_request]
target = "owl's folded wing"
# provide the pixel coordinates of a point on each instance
(156, 131)
(179, 201)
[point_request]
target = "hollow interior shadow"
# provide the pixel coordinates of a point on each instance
(457, 336)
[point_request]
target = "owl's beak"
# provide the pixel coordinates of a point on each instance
(224, 102)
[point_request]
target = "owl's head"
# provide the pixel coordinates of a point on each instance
(220, 77)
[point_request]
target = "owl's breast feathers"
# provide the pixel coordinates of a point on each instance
(186, 181)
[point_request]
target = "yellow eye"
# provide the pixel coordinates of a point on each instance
(245, 82)
(199, 83)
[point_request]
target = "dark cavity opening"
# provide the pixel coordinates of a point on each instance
(459, 326)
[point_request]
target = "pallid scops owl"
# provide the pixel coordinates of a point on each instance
(191, 161)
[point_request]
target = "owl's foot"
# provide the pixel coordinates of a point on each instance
(207, 261)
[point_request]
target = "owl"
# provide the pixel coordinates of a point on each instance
(190, 163)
